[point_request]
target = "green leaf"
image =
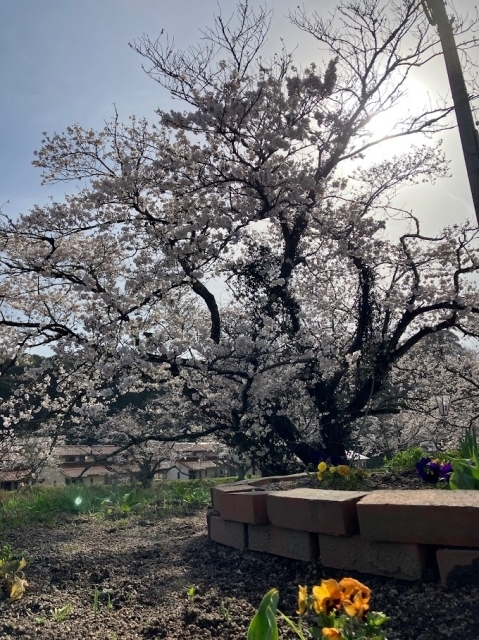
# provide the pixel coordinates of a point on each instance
(315, 632)
(264, 626)
(465, 475)
(469, 447)
(376, 618)
(293, 626)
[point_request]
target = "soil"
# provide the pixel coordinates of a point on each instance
(148, 563)
(373, 481)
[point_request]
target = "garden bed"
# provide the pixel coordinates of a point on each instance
(373, 481)
(390, 532)
(149, 562)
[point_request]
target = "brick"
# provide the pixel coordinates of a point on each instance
(231, 534)
(392, 559)
(259, 538)
(270, 479)
(209, 514)
(220, 489)
(316, 510)
(449, 559)
(244, 507)
(449, 518)
(287, 543)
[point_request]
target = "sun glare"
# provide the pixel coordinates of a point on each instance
(388, 123)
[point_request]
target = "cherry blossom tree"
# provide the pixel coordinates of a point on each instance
(439, 364)
(244, 188)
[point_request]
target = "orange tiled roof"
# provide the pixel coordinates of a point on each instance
(17, 475)
(76, 472)
(84, 450)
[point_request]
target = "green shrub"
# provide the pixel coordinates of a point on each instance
(405, 460)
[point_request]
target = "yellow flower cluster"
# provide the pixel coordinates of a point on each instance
(331, 596)
(341, 469)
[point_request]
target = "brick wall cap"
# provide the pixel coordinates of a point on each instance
(422, 498)
(241, 488)
(322, 495)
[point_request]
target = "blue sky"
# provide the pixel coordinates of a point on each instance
(67, 61)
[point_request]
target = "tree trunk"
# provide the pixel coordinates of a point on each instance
(333, 436)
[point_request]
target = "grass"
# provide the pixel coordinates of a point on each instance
(40, 504)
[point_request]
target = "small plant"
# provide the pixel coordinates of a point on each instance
(6, 553)
(191, 591)
(341, 609)
(466, 468)
(224, 608)
(119, 505)
(62, 613)
(95, 602)
(101, 595)
(11, 573)
(340, 476)
(405, 460)
(459, 469)
(185, 494)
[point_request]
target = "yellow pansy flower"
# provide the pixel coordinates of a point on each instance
(330, 632)
(322, 467)
(302, 600)
(344, 470)
(350, 587)
(357, 607)
(327, 596)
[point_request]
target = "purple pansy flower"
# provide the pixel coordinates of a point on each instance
(446, 471)
(428, 469)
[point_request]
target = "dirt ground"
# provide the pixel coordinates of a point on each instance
(143, 567)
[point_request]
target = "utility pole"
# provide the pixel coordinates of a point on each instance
(436, 14)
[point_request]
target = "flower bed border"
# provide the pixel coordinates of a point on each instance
(400, 533)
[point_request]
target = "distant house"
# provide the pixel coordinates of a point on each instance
(91, 465)
(14, 470)
(11, 480)
(357, 458)
(195, 461)
(79, 464)
(191, 468)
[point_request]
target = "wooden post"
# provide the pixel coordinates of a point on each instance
(436, 13)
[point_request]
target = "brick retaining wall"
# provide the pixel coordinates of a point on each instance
(399, 534)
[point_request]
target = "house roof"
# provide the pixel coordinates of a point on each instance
(197, 465)
(76, 472)
(201, 447)
(84, 450)
(166, 464)
(14, 475)
(353, 455)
